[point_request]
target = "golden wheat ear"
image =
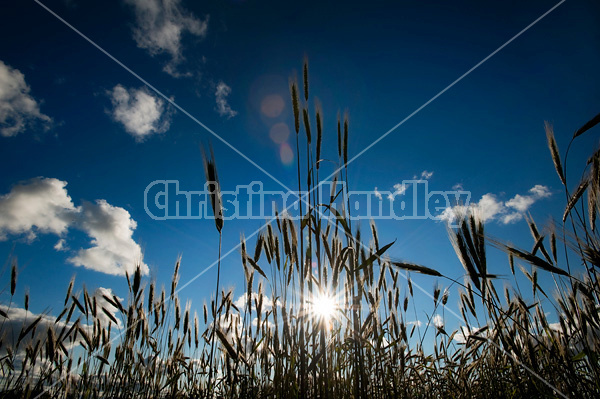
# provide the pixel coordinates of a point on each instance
(554, 151)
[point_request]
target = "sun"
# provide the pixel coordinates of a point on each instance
(324, 306)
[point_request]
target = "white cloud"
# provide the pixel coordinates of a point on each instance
(487, 208)
(38, 205)
(458, 187)
(399, 189)
(14, 324)
(463, 334)
(263, 322)
(18, 109)
(160, 27)
(221, 95)
(19, 317)
(520, 202)
(490, 208)
(438, 321)
(242, 300)
(540, 191)
(111, 228)
(417, 323)
(512, 217)
(141, 113)
(426, 175)
(61, 245)
(377, 193)
(102, 302)
(42, 205)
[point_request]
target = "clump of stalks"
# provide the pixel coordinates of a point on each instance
(274, 343)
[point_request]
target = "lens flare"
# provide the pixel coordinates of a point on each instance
(272, 105)
(279, 133)
(286, 154)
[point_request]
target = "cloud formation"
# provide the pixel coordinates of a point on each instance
(377, 193)
(103, 303)
(14, 324)
(18, 109)
(18, 319)
(400, 188)
(141, 113)
(160, 26)
(42, 205)
(242, 301)
(38, 205)
(426, 175)
(463, 334)
(490, 207)
(417, 323)
(113, 249)
(221, 95)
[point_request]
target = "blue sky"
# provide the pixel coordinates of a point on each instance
(82, 137)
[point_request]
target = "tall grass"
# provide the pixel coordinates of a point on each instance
(278, 344)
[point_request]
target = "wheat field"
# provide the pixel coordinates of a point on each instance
(340, 329)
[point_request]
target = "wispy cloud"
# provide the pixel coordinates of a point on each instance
(400, 188)
(490, 207)
(160, 27)
(377, 193)
(141, 113)
(223, 107)
(426, 175)
(61, 245)
(18, 109)
(42, 205)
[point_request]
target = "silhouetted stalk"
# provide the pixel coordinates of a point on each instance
(296, 110)
(216, 319)
(212, 178)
